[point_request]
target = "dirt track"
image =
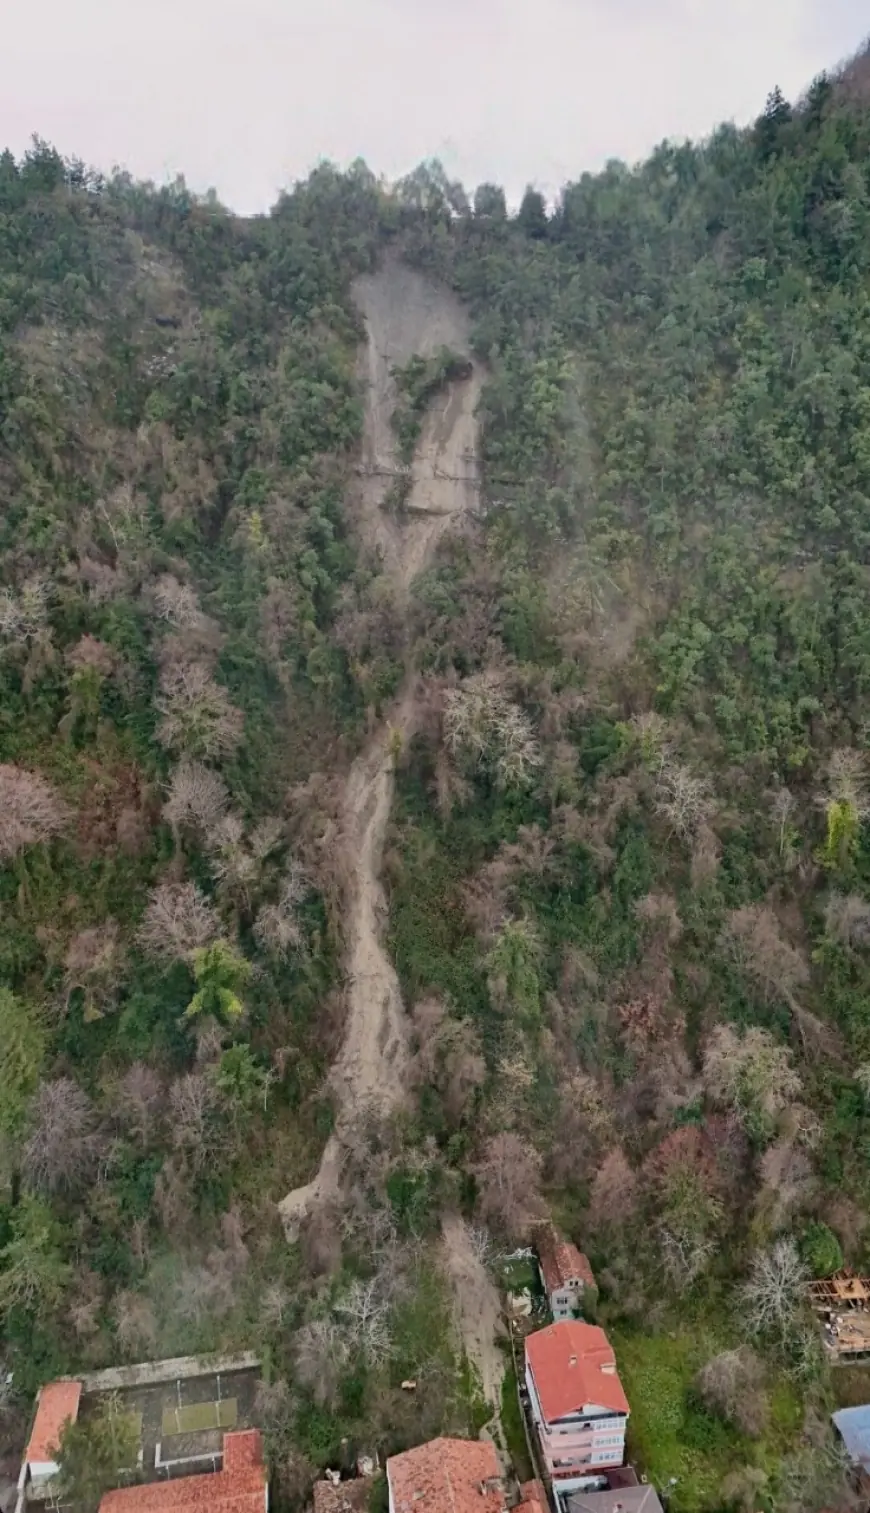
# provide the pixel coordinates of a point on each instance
(477, 1309)
(405, 315)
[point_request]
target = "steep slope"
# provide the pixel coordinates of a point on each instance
(405, 316)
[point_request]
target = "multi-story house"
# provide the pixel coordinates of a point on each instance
(577, 1401)
(566, 1273)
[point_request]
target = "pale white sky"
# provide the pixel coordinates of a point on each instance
(247, 95)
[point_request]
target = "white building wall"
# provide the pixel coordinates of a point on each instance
(593, 1437)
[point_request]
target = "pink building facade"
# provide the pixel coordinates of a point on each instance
(577, 1401)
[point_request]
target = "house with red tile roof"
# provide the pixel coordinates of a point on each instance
(577, 1401)
(56, 1406)
(241, 1486)
(194, 1421)
(444, 1476)
(565, 1271)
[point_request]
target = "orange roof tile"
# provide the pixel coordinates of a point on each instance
(534, 1498)
(560, 1261)
(58, 1403)
(239, 1488)
(243, 1448)
(447, 1476)
(573, 1364)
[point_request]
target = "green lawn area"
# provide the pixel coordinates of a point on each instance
(670, 1436)
(512, 1423)
(514, 1276)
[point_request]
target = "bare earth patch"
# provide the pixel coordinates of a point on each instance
(478, 1311)
(405, 315)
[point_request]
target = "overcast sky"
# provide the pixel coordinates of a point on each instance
(246, 95)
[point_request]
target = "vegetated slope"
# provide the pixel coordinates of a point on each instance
(626, 864)
(405, 317)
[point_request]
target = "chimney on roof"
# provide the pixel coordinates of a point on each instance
(572, 1360)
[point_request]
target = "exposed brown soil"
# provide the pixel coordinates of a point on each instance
(405, 315)
(478, 1313)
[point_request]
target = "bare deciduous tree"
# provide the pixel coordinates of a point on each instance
(847, 780)
(30, 810)
(365, 1310)
(172, 1195)
(24, 616)
(659, 913)
(613, 1200)
(175, 602)
(847, 920)
(787, 1183)
(508, 1178)
(135, 1324)
(93, 964)
(771, 1298)
(193, 1102)
(61, 1150)
(274, 1305)
(277, 927)
(744, 1490)
(818, 1475)
(321, 1352)
(706, 856)
(275, 1410)
(199, 719)
(178, 920)
(782, 807)
(480, 1243)
(750, 1074)
(233, 864)
(85, 1304)
(682, 798)
(650, 731)
(752, 938)
(684, 1255)
(201, 1293)
(139, 1100)
(449, 1055)
(92, 655)
(483, 723)
(862, 1077)
(197, 799)
(132, 830)
(731, 1384)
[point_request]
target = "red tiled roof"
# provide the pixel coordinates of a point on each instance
(243, 1448)
(534, 1498)
(447, 1476)
(58, 1403)
(560, 1261)
(573, 1364)
(239, 1488)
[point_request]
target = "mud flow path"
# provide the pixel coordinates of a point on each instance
(405, 315)
(478, 1315)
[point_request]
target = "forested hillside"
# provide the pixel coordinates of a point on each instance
(627, 869)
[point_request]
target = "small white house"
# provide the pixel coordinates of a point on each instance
(565, 1271)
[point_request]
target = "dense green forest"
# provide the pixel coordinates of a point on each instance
(628, 868)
